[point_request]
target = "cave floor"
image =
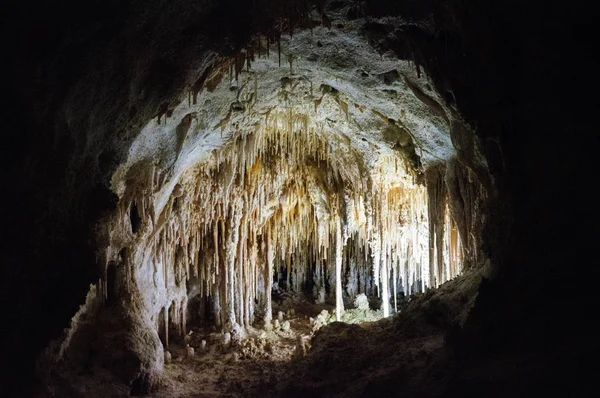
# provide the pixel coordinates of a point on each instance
(221, 374)
(400, 353)
(415, 353)
(251, 368)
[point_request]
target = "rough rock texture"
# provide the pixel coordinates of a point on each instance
(253, 150)
(398, 356)
(84, 79)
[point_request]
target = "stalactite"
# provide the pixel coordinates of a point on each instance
(166, 327)
(268, 39)
(279, 49)
(183, 316)
(289, 196)
(466, 197)
(436, 191)
(339, 303)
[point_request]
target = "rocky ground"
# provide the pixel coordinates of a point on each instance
(396, 356)
(430, 349)
(254, 363)
(251, 368)
(316, 356)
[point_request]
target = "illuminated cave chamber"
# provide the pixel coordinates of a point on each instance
(331, 176)
(294, 204)
(183, 157)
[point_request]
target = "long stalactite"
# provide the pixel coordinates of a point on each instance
(291, 203)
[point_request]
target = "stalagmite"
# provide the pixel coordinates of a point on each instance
(189, 351)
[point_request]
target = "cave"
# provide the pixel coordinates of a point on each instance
(298, 198)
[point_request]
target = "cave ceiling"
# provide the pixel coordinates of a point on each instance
(332, 78)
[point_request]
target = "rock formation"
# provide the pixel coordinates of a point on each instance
(162, 156)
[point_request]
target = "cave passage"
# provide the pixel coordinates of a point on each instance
(289, 226)
(294, 207)
(274, 198)
(298, 198)
(286, 193)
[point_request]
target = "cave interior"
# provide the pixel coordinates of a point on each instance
(297, 198)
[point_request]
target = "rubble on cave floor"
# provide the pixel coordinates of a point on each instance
(253, 364)
(403, 355)
(250, 367)
(317, 356)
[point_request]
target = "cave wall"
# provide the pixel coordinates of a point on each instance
(498, 64)
(82, 77)
(66, 57)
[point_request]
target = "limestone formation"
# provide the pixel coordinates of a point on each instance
(268, 326)
(361, 302)
(227, 340)
(338, 175)
(247, 191)
(189, 351)
(176, 165)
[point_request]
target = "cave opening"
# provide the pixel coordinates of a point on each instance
(291, 223)
(295, 198)
(272, 200)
